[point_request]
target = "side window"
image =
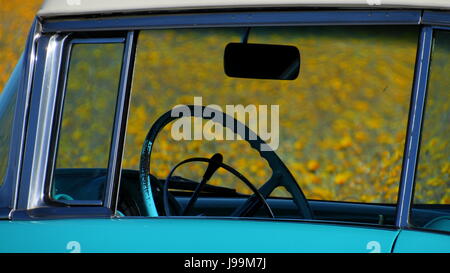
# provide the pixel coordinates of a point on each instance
(8, 99)
(339, 127)
(431, 208)
(87, 120)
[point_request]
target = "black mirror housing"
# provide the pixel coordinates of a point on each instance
(262, 61)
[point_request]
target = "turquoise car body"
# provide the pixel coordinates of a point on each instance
(201, 236)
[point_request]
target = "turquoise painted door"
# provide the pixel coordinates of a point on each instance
(422, 242)
(189, 235)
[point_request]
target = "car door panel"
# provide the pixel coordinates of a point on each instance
(422, 242)
(190, 235)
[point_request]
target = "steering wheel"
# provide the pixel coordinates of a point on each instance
(280, 173)
(215, 162)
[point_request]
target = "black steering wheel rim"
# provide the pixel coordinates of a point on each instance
(281, 175)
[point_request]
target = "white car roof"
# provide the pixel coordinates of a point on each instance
(82, 7)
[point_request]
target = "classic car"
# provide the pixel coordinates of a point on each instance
(246, 126)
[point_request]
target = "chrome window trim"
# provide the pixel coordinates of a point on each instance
(405, 193)
(120, 122)
(44, 124)
(43, 101)
(235, 19)
(439, 18)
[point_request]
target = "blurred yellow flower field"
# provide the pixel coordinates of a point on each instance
(15, 22)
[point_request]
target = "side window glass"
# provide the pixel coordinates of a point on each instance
(87, 121)
(339, 127)
(431, 208)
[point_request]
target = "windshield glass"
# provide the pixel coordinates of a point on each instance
(339, 126)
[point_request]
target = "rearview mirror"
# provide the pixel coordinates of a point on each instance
(262, 61)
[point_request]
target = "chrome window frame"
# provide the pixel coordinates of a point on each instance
(43, 129)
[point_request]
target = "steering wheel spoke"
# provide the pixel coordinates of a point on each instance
(253, 202)
(215, 165)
